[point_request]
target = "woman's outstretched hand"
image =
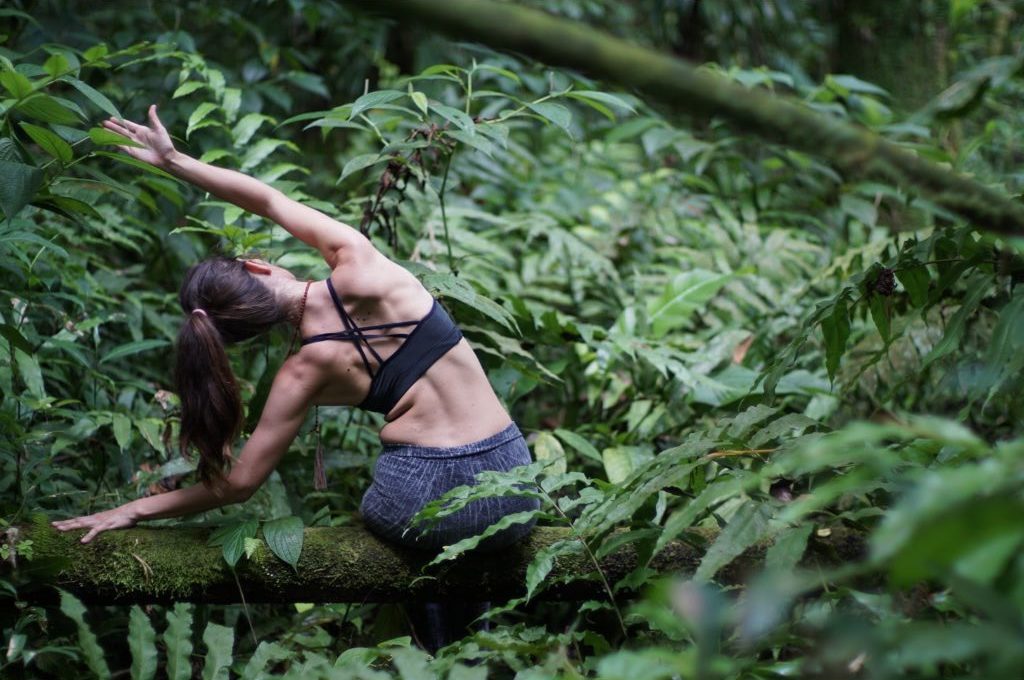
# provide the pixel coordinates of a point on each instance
(118, 518)
(157, 147)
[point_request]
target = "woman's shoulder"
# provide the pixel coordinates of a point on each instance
(374, 277)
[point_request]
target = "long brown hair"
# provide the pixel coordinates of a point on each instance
(223, 304)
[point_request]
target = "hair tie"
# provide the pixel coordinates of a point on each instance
(200, 312)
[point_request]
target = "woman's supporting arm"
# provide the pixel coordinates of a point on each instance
(286, 407)
(335, 240)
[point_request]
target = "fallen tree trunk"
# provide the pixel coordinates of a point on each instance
(341, 564)
(853, 150)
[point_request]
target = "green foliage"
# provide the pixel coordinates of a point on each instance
(703, 335)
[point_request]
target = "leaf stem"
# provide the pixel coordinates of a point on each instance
(444, 213)
(593, 559)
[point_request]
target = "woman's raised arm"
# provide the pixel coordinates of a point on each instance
(335, 240)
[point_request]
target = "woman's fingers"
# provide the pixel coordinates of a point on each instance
(154, 120)
(89, 523)
(113, 126)
(91, 535)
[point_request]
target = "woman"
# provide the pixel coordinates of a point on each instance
(372, 337)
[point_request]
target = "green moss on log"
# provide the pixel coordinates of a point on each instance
(340, 564)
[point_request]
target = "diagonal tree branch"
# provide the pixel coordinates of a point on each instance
(854, 151)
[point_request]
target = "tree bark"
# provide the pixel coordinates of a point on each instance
(854, 151)
(342, 564)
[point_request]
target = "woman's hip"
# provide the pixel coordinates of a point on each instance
(408, 477)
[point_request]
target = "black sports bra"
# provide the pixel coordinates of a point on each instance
(428, 340)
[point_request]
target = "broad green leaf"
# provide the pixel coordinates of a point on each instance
(130, 348)
(18, 186)
(592, 97)
(198, 116)
(547, 449)
(31, 373)
(96, 52)
(230, 103)
(178, 642)
(742, 423)
(977, 288)
(503, 72)
(861, 209)
(836, 330)
(232, 537)
(122, 426)
(142, 643)
(258, 152)
(412, 664)
(264, 654)
(47, 109)
(95, 96)
(14, 336)
(454, 116)
(49, 142)
(104, 137)
(581, 444)
(94, 659)
(915, 280)
(247, 126)
(136, 163)
(747, 526)
(478, 142)
(651, 663)
(28, 237)
(975, 538)
(446, 285)
(187, 88)
(555, 113)
(341, 112)
(420, 100)
(780, 428)
(284, 538)
(880, 315)
(18, 85)
(684, 295)
(56, 64)
(620, 462)
(373, 99)
(357, 163)
(219, 641)
(788, 549)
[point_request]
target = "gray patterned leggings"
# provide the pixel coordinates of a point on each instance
(407, 477)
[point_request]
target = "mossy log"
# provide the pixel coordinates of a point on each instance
(340, 564)
(853, 150)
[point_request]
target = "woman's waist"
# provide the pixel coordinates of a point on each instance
(504, 435)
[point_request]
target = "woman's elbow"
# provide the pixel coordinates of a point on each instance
(230, 491)
(242, 491)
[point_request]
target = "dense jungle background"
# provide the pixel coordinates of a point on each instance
(707, 337)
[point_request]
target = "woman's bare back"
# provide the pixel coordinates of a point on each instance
(451, 404)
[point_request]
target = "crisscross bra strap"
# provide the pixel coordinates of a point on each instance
(356, 334)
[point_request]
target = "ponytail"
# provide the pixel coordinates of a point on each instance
(211, 406)
(224, 304)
